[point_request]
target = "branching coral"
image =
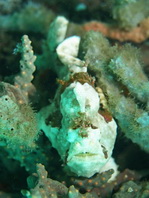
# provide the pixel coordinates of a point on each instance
(27, 67)
(98, 186)
(17, 121)
(18, 124)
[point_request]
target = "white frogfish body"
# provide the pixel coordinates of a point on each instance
(83, 138)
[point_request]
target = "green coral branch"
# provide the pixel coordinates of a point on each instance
(123, 81)
(27, 67)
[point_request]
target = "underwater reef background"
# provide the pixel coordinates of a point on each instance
(74, 99)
